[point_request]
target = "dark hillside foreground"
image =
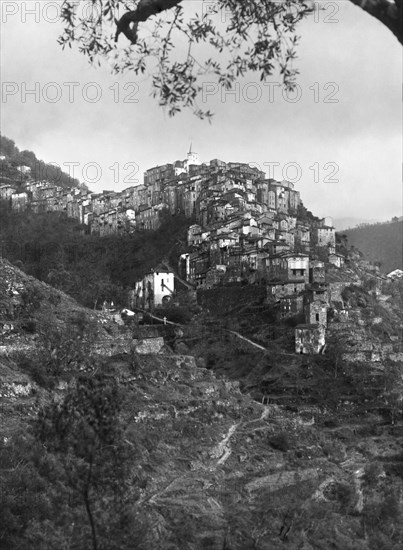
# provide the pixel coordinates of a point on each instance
(110, 442)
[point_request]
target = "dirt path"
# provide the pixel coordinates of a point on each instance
(222, 450)
(258, 346)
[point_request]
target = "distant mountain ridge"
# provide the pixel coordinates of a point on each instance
(349, 223)
(380, 242)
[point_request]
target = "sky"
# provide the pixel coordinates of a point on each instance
(338, 140)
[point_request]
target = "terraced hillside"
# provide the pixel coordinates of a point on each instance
(109, 443)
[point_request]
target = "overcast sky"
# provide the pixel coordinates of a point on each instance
(353, 145)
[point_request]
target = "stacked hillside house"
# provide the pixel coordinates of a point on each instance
(154, 289)
(310, 337)
(246, 229)
(231, 199)
(251, 230)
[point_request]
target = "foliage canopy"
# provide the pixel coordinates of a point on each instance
(185, 45)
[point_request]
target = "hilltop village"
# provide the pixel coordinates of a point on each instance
(247, 230)
(232, 204)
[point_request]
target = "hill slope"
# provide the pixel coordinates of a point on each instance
(155, 453)
(341, 224)
(54, 249)
(39, 170)
(382, 242)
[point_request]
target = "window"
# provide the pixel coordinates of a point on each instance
(302, 271)
(294, 271)
(317, 317)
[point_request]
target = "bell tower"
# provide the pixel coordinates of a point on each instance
(192, 158)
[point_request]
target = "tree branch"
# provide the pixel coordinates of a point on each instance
(387, 11)
(144, 10)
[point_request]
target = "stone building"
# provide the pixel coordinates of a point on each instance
(290, 305)
(336, 259)
(316, 312)
(275, 291)
(317, 273)
(155, 289)
(289, 267)
(246, 223)
(309, 338)
(19, 201)
(323, 235)
(7, 191)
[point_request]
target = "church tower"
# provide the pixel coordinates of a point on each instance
(192, 158)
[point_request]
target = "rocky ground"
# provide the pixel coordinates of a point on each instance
(231, 446)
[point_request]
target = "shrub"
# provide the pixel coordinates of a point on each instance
(60, 350)
(369, 283)
(55, 299)
(345, 494)
(294, 320)
(32, 297)
(35, 369)
(378, 513)
(29, 326)
(280, 442)
(211, 359)
(372, 473)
